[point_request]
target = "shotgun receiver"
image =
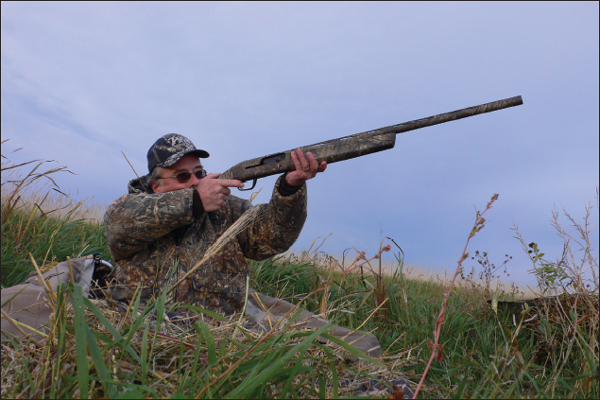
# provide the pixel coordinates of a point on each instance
(353, 146)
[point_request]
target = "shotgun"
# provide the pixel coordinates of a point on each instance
(353, 146)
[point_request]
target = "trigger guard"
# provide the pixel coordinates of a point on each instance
(250, 188)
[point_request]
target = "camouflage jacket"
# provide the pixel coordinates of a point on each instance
(154, 238)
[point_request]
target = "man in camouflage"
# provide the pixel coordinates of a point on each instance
(170, 217)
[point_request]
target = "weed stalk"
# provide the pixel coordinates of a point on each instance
(437, 349)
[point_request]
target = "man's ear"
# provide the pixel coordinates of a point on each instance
(154, 187)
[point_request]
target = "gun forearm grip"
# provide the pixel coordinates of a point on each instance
(330, 151)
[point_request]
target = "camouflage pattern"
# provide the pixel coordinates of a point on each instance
(169, 149)
(154, 238)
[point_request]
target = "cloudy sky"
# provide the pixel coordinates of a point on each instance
(82, 82)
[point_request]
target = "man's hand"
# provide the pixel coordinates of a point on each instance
(213, 192)
(306, 168)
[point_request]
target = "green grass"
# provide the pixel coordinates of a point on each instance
(47, 239)
(42, 221)
(546, 352)
(485, 354)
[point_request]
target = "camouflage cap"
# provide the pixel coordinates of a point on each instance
(169, 149)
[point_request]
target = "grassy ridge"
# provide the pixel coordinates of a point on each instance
(485, 354)
(47, 239)
(550, 350)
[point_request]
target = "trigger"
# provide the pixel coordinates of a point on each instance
(250, 188)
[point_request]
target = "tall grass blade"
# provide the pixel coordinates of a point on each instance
(99, 364)
(111, 328)
(266, 374)
(80, 341)
(145, 360)
(207, 338)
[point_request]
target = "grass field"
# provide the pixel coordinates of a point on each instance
(486, 349)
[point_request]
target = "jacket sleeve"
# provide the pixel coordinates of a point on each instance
(136, 220)
(278, 228)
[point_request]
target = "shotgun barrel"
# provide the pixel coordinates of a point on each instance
(356, 145)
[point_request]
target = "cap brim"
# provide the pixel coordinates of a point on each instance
(176, 157)
(200, 153)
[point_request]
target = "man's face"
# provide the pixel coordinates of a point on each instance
(169, 183)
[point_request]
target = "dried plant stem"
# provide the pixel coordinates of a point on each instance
(242, 223)
(239, 323)
(436, 348)
(373, 313)
(47, 287)
(16, 325)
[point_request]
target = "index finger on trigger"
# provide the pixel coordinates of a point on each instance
(231, 183)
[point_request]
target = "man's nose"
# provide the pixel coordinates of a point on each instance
(194, 181)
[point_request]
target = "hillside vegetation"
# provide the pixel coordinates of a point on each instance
(489, 346)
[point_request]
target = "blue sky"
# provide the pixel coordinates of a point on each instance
(82, 82)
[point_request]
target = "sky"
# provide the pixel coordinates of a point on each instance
(84, 82)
